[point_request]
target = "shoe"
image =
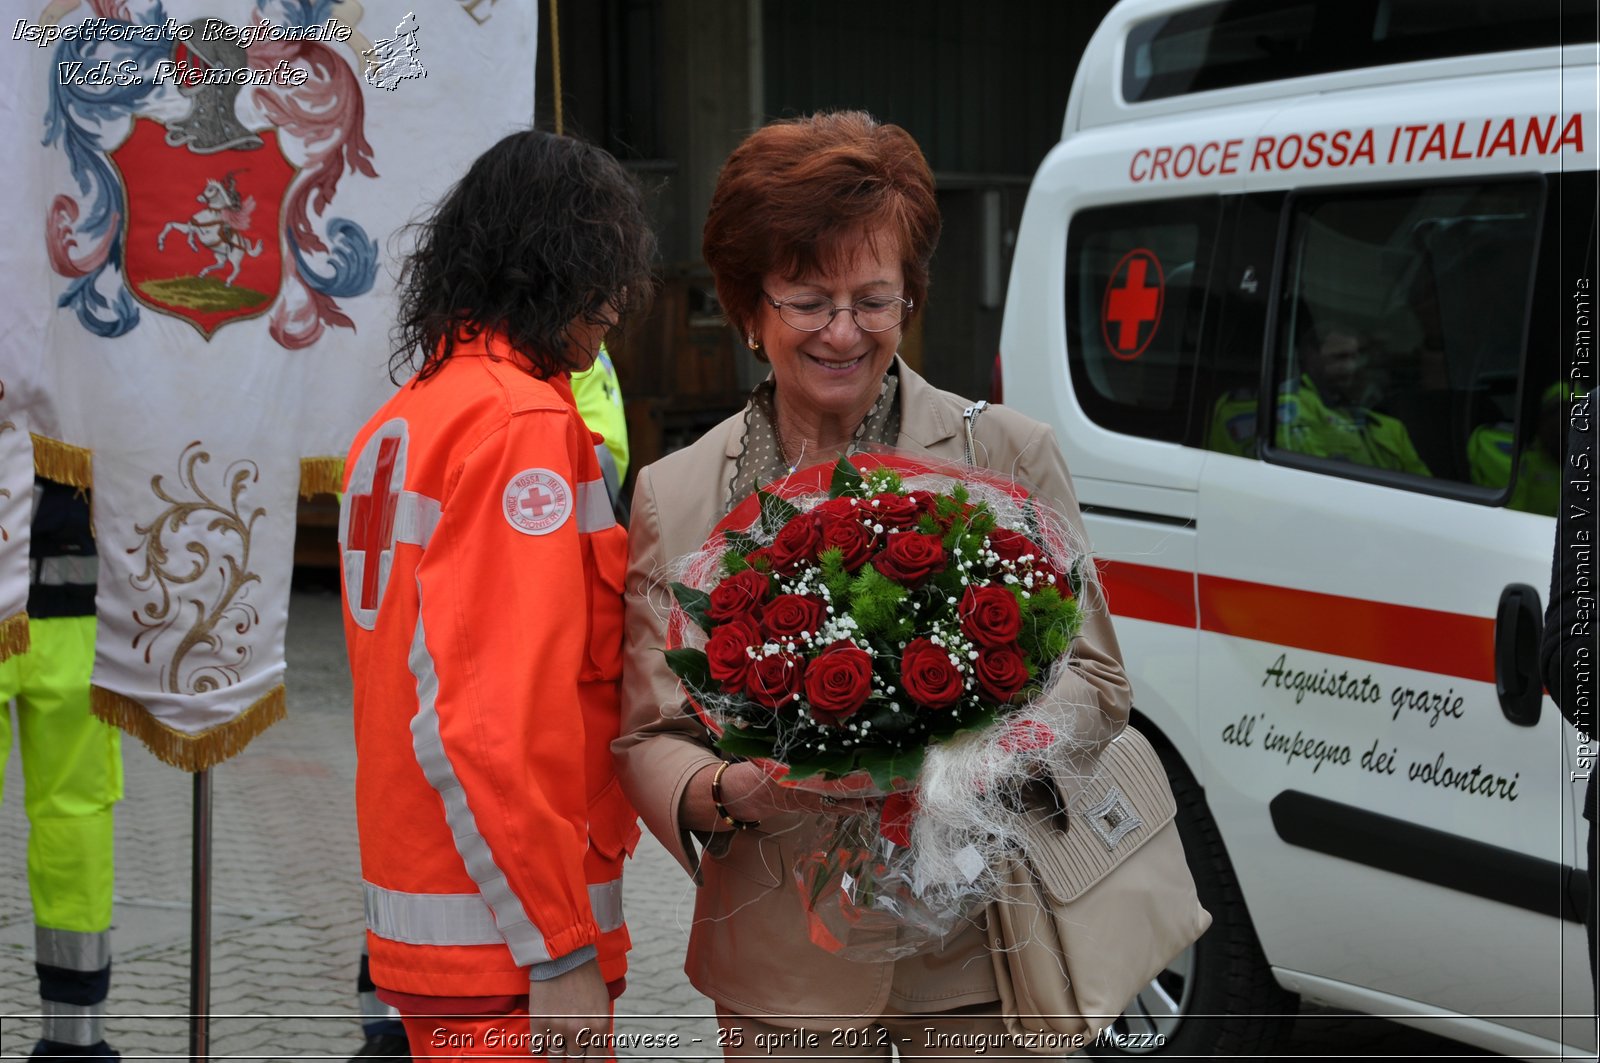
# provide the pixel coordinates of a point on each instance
(386, 1044)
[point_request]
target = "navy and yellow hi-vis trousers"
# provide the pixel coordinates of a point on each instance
(72, 776)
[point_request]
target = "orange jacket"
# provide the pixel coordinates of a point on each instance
(483, 614)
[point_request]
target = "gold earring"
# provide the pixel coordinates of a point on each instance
(751, 342)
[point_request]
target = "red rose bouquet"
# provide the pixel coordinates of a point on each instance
(895, 632)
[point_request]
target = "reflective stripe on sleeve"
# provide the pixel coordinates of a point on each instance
(415, 517)
(608, 468)
(594, 507)
(72, 1024)
(430, 918)
(525, 941)
(72, 950)
(605, 901)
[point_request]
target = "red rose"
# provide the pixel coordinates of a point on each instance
(838, 683)
(796, 545)
(788, 615)
(990, 616)
(894, 512)
(725, 651)
(894, 823)
(854, 539)
(926, 501)
(775, 679)
(911, 558)
(739, 595)
(836, 507)
(1002, 671)
(929, 676)
(1013, 546)
(759, 559)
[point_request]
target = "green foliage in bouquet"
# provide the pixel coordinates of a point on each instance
(875, 601)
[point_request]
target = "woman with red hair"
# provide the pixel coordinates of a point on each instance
(819, 237)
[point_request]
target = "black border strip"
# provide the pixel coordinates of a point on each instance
(1429, 855)
(1136, 514)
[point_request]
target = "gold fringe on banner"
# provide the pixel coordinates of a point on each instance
(195, 752)
(321, 476)
(13, 637)
(62, 462)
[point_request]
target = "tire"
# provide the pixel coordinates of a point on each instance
(1218, 998)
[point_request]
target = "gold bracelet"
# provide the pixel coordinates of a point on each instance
(716, 799)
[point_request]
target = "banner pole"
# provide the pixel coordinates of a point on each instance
(555, 61)
(200, 922)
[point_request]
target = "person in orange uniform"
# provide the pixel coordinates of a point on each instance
(482, 582)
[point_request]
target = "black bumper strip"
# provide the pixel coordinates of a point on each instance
(1429, 855)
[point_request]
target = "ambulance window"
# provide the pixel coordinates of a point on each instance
(1227, 392)
(1247, 42)
(1135, 289)
(1402, 326)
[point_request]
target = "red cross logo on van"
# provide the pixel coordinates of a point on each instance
(1131, 311)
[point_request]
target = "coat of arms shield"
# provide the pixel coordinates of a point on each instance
(203, 231)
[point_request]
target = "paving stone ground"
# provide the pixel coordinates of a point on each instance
(286, 919)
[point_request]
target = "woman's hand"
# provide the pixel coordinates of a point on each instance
(750, 794)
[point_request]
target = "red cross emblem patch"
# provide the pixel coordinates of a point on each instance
(1130, 314)
(537, 501)
(368, 519)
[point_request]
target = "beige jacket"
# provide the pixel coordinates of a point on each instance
(748, 947)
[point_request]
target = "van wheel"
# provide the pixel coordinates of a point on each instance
(1217, 998)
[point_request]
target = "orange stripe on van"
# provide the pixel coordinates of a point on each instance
(1402, 635)
(1145, 592)
(1427, 640)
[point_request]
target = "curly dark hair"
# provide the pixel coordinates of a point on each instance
(544, 230)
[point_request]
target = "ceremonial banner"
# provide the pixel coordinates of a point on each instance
(204, 222)
(16, 495)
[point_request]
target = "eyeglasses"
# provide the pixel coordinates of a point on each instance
(808, 313)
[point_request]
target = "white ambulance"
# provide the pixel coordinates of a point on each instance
(1299, 290)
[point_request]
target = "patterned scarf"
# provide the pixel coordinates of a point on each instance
(761, 459)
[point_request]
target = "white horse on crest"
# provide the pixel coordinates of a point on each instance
(218, 227)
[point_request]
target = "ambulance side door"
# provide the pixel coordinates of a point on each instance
(1395, 824)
